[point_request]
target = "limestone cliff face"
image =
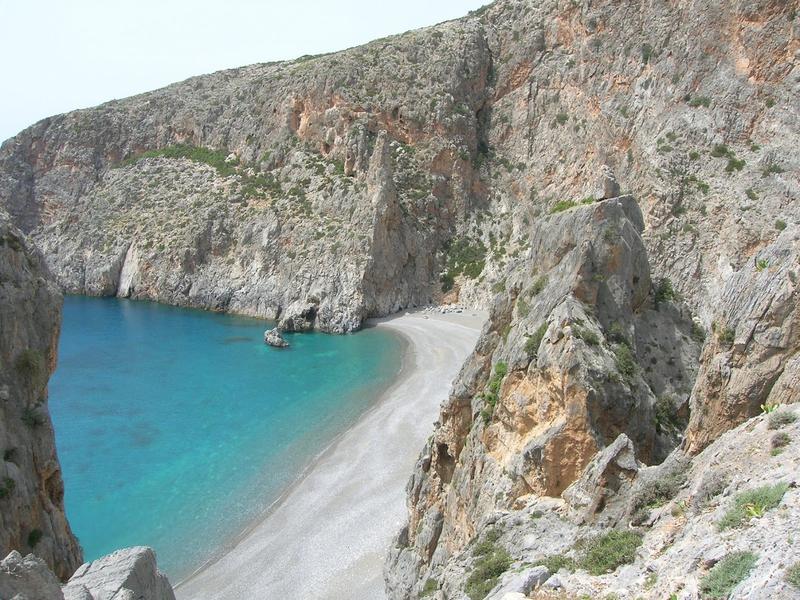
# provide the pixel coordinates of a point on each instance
(576, 352)
(486, 122)
(31, 490)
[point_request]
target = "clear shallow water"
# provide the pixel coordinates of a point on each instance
(175, 428)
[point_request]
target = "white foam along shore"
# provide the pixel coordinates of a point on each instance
(328, 536)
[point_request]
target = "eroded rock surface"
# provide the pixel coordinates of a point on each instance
(31, 489)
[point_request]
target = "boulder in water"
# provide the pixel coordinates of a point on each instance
(274, 338)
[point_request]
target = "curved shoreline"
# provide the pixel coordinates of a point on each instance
(327, 535)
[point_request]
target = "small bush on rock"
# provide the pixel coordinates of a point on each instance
(752, 504)
(781, 419)
(34, 537)
(535, 340)
(430, 587)
(657, 492)
(604, 553)
(7, 487)
(487, 570)
(793, 575)
(30, 364)
(555, 562)
(727, 574)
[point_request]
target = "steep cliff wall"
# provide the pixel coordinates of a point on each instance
(31, 490)
(487, 122)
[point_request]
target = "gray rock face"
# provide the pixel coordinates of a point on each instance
(31, 490)
(274, 338)
(566, 365)
(126, 574)
(348, 182)
(27, 578)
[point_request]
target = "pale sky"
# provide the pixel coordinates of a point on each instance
(59, 55)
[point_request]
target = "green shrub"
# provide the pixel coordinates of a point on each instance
(34, 537)
(780, 225)
(781, 418)
(720, 151)
(563, 205)
(535, 340)
(752, 503)
(793, 575)
(698, 333)
(734, 164)
(32, 417)
(561, 118)
(538, 285)
(657, 492)
(30, 364)
(604, 553)
(555, 562)
(780, 440)
(726, 336)
(7, 487)
(464, 257)
(626, 364)
(751, 194)
(727, 574)
(761, 264)
(487, 544)
(664, 292)
(485, 573)
(770, 169)
(667, 415)
(523, 308)
(214, 158)
(430, 586)
(697, 101)
(694, 155)
(647, 53)
(9, 454)
(490, 395)
(587, 335)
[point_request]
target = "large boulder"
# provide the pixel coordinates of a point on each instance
(128, 574)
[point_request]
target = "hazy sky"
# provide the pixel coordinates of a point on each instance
(59, 55)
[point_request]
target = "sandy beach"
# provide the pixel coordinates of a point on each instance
(328, 536)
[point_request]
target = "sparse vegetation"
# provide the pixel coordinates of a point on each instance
(490, 396)
(431, 585)
(697, 101)
(214, 158)
(698, 333)
(34, 537)
(535, 340)
(727, 574)
(555, 562)
(32, 417)
(771, 169)
(626, 364)
(667, 415)
(779, 441)
(711, 486)
(781, 419)
(780, 225)
(486, 571)
(664, 292)
(793, 575)
(604, 553)
(538, 285)
(563, 205)
(30, 364)
(657, 492)
(587, 335)
(752, 504)
(726, 336)
(7, 487)
(761, 264)
(464, 257)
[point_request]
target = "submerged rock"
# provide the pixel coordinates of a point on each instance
(274, 338)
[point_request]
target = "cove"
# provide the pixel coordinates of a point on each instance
(176, 428)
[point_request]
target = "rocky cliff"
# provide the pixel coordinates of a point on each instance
(31, 490)
(616, 181)
(329, 188)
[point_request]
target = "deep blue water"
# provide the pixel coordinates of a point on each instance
(175, 428)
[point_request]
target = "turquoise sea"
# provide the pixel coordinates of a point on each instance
(175, 428)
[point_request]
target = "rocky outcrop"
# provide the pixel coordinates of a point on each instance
(696, 520)
(753, 358)
(128, 573)
(124, 575)
(31, 489)
(273, 337)
(566, 365)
